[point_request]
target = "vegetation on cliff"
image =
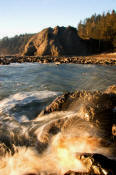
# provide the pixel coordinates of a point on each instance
(14, 45)
(99, 27)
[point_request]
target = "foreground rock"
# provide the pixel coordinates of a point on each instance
(97, 165)
(76, 129)
(97, 107)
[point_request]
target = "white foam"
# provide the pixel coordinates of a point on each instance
(24, 98)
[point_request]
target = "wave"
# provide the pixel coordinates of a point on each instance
(23, 102)
(76, 132)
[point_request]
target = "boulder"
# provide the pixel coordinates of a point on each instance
(97, 107)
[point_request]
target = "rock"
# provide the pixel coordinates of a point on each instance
(111, 89)
(73, 131)
(52, 59)
(96, 164)
(96, 107)
(55, 42)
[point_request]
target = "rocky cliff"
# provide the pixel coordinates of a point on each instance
(55, 42)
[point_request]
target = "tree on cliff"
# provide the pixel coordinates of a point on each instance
(99, 27)
(14, 45)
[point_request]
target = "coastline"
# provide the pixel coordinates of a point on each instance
(79, 120)
(103, 59)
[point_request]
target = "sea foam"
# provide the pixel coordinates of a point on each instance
(23, 98)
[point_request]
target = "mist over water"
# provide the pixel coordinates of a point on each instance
(25, 89)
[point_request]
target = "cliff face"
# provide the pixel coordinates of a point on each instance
(55, 42)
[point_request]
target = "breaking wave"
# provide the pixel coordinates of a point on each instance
(74, 133)
(22, 104)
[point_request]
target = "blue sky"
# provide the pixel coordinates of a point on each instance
(30, 16)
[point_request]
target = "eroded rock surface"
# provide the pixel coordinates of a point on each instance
(55, 42)
(98, 107)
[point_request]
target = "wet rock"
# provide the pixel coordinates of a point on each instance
(111, 89)
(96, 164)
(96, 107)
(91, 110)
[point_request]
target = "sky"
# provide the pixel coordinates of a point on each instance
(31, 16)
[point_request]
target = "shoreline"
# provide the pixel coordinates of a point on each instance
(103, 59)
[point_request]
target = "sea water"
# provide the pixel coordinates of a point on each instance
(25, 89)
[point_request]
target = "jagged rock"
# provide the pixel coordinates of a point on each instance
(75, 132)
(96, 164)
(111, 89)
(55, 42)
(97, 107)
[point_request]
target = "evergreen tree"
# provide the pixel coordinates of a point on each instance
(99, 27)
(14, 45)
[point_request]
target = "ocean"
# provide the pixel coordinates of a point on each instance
(25, 89)
(79, 137)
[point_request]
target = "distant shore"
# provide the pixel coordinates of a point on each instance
(106, 58)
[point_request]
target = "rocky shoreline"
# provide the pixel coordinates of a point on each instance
(89, 117)
(94, 59)
(93, 108)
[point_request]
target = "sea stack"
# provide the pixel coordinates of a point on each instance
(55, 42)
